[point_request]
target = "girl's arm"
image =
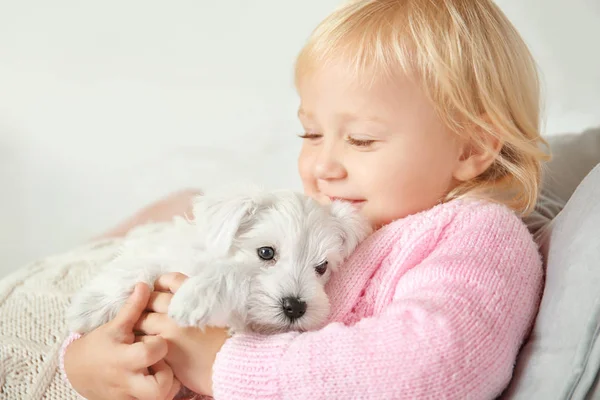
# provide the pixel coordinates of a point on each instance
(163, 210)
(452, 330)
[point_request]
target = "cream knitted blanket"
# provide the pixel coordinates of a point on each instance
(33, 300)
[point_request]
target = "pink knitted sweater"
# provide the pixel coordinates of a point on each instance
(432, 306)
(435, 305)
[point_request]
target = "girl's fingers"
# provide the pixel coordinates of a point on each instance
(159, 302)
(156, 386)
(163, 377)
(175, 387)
(132, 309)
(152, 323)
(169, 282)
(147, 351)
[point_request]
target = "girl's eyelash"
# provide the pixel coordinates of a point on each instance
(360, 143)
(351, 140)
(310, 135)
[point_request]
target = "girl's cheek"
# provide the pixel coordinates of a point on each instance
(305, 166)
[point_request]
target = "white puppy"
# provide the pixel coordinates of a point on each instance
(257, 261)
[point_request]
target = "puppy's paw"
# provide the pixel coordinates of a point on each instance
(89, 310)
(192, 304)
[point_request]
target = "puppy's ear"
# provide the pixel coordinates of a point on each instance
(353, 226)
(221, 215)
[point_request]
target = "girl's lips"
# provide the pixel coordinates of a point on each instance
(351, 201)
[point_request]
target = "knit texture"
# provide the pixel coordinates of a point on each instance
(33, 300)
(432, 306)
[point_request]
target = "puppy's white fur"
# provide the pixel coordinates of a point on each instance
(229, 284)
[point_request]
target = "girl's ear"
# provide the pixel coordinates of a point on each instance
(478, 152)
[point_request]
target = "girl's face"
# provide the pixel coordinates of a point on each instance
(382, 148)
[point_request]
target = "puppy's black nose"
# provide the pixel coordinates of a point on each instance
(293, 308)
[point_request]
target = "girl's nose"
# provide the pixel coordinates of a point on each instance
(328, 166)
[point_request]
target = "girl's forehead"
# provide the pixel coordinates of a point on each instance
(330, 86)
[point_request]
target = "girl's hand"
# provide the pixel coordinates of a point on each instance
(191, 352)
(107, 364)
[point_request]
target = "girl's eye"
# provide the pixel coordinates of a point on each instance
(311, 136)
(266, 253)
(321, 268)
(359, 142)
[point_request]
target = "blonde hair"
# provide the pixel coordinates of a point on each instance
(471, 63)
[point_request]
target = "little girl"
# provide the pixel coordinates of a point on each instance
(423, 114)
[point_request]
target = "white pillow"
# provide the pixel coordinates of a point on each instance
(561, 359)
(573, 157)
(562, 356)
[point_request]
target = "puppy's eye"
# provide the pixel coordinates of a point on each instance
(266, 253)
(321, 268)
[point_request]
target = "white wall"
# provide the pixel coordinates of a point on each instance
(105, 106)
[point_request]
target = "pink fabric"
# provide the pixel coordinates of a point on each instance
(73, 336)
(435, 305)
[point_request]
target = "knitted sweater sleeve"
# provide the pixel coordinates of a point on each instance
(452, 329)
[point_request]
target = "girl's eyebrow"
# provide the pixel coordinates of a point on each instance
(351, 117)
(345, 117)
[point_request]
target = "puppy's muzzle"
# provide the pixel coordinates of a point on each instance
(293, 307)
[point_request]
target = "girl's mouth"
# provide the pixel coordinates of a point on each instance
(354, 202)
